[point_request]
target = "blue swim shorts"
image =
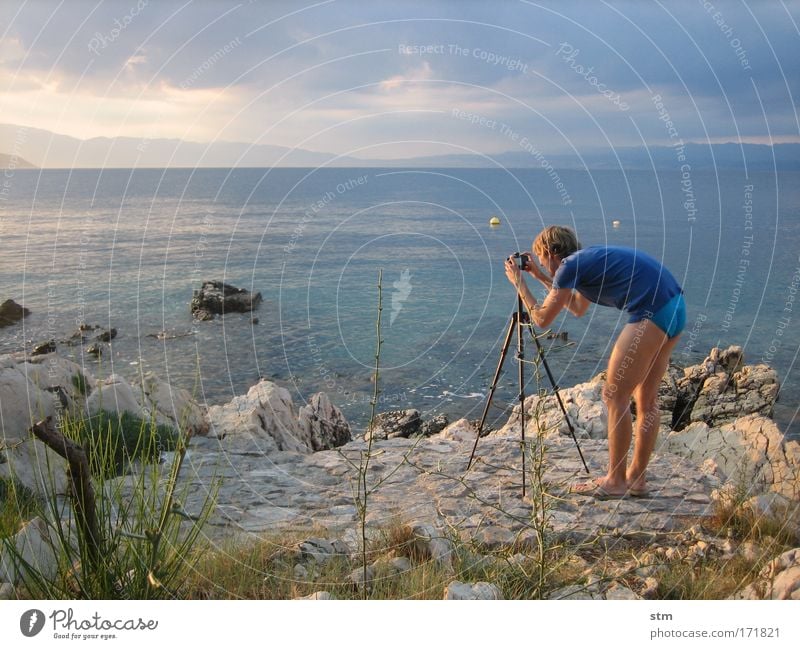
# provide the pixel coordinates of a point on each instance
(671, 318)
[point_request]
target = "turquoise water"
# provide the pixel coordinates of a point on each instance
(124, 248)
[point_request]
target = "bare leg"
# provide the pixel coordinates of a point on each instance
(647, 419)
(637, 348)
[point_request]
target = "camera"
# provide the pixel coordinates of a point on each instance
(524, 259)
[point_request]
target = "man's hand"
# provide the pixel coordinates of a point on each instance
(513, 272)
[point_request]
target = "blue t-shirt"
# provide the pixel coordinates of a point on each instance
(625, 278)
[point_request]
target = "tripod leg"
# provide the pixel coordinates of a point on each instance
(512, 325)
(540, 352)
(521, 363)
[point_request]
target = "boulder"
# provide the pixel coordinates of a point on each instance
(478, 590)
(462, 430)
(750, 451)
(395, 423)
(38, 546)
(173, 406)
(779, 579)
(216, 297)
(584, 405)
(33, 465)
(21, 401)
(115, 395)
(724, 397)
(52, 371)
(323, 423)
(11, 312)
(434, 425)
(722, 388)
(264, 420)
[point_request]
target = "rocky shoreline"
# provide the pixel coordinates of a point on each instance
(286, 468)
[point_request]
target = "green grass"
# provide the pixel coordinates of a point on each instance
(17, 505)
(114, 440)
(80, 383)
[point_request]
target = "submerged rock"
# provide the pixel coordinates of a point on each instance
(11, 313)
(218, 298)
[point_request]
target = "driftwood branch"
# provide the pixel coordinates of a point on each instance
(80, 480)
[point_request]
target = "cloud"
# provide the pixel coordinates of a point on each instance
(348, 74)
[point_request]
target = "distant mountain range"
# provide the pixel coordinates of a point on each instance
(9, 162)
(45, 149)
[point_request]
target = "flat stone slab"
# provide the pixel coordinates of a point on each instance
(427, 480)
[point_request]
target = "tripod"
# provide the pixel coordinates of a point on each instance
(520, 319)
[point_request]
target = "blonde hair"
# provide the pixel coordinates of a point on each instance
(556, 240)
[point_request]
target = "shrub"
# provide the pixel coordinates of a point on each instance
(114, 440)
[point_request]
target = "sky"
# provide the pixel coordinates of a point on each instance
(395, 79)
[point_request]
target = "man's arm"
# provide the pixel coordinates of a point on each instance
(577, 304)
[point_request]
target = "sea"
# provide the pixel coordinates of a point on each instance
(335, 252)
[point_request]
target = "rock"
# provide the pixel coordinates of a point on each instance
(478, 590)
(401, 565)
(460, 431)
(172, 334)
(721, 389)
(300, 572)
(725, 397)
(430, 542)
(617, 591)
(47, 347)
(95, 350)
(357, 576)
(321, 551)
(395, 423)
(320, 594)
(323, 423)
(584, 405)
(37, 546)
(775, 511)
(6, 591)
(203, 315)
(35, 466)
(11, 312)
(52, 371)
(81, 334)
(264, 420)
(21, 401)
(751, 551)
(749, 451)
(779, 579)
(115, 395)
(173, 406)
(107, 336)
(215, 297)
(433, 426)
(575, 592)
(650, 588)
(254, 321)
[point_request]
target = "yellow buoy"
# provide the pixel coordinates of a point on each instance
(616, 223)
(494, 221)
